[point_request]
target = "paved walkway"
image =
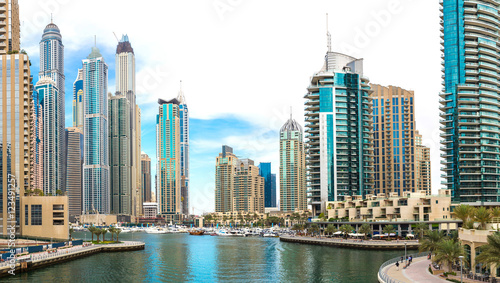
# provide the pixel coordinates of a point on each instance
(416, 272)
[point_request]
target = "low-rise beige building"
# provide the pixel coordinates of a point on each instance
(472, 240)
(411, 206)
(45, 217)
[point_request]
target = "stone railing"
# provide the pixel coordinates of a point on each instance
(383, 277)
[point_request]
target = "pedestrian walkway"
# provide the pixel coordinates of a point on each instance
(416, 272)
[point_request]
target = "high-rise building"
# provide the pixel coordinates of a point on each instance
(184, 144)
(269, 187)
(74, 175)
(238, 185)
(168, 160)
(52, 66)
(469, 101)
(96, 193)
(338, 122)
(37, 143)
(422, 165)
(9, 26)
(394, 140)
(293, 194)
(125, 86)
(78, 100)
(146, 177)
(52, 148)
(120, 159)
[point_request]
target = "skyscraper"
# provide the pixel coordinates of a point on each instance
(9, 27)
(338, 123)
(52, 146)
(293, 194)
(469, 101)
(146, 177)
(52, 66)
(184, 143)
(37, 142)
(78, 100)
(96, 193)
(238, 185)
(120, 154)
(269, 187)
(125, 86)
(422, 165)
(394, 140)
(74, 162)
(168, 160)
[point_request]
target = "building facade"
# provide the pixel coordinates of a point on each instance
(78, 100)
(238, 184)
(269, 186)
(52, 146)
(96, 193)
(9, 27)
(293, 194)
(120, 159)
(338, 127)
(469, 101)
(37, 142)
(184, 144)
(125, 87)
(422, 165)
(146, 177)
(168, 160)
(74, 175)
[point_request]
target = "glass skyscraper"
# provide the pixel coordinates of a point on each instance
(470, 122)
(339, 131)
(78, 101)
(269, 187)
(184, 144)
(52, 66)
(96, 193)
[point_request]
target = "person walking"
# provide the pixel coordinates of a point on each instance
(397, 265)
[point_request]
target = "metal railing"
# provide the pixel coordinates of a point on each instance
(384, 276)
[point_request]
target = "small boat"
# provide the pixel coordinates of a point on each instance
(197, 233)
(213, 234)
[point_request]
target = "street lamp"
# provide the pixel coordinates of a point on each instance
(406, 258)
(461, 258)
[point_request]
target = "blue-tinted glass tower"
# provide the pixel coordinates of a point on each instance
(78, 101)
(269, 185)
(96, 193)
(339, 131)
(470, 120)
(184, 147)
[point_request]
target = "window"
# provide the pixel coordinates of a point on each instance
(26, 221)
(36, 214)
(58, 207)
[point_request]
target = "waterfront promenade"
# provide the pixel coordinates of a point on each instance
(36, 260)
(351, 243)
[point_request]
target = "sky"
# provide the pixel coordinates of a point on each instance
(245, 64)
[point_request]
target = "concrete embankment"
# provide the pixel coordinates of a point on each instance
(33, 261)
(353, 244)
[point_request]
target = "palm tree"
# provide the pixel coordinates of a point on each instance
(431, 241)
(314, 228)
(447, 252)
(483, 216)
(389, 229)
(365, 229)
(98, 233)
(103, 232)
(330, 229)
(117, 232)
(92, 231)
(421, 228)
(346, 229)
(490, 253)
(112, 231)
(464, 213)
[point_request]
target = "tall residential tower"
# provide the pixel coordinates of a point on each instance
(184, 144)
(470, 100)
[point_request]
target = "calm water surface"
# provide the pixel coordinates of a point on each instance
(181, 257)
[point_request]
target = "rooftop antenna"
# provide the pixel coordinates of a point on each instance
(95, 40)
(51, 18)
(328, 36)
(181, 86)
(290, 112)
(116, 37)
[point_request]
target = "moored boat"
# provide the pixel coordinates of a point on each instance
(197, 232)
